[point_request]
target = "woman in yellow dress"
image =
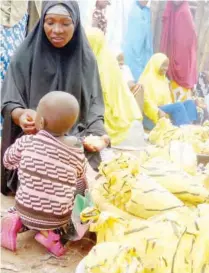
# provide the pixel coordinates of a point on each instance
(157, 96)
(123, 118)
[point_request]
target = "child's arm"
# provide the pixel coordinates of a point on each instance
(82, 183)
(12, 155)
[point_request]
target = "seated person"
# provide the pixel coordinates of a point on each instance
(123, 118)
(201, 96)
(51, 170)
(157, 96)
(135, 88)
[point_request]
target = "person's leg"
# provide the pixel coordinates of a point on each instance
(148, 123)
(191, 109)
(177, 113)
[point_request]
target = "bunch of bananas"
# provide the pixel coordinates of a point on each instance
(123, 162)
(165, 132)
(118, 188)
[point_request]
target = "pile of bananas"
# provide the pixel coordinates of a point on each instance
(197, 136)
(123, 162)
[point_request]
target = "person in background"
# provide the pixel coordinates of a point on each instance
(201, 96)
(135, 88)
(137, 45)
(157, 96)
(55, 56)
(14, 18)
(123, 119)
(179, 43)
(99, 19)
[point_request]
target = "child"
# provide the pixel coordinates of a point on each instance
(51, 167)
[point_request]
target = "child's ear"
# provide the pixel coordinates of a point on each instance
(42, 123)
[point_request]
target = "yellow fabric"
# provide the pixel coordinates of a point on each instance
(156, 87)
(179, 93)
(121, 108)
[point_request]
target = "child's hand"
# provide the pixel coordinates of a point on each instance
(27, 121)
(96, 143)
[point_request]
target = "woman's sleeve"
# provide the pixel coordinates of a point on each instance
(12, 97)
(150, 107)
(12, 92)
(95, 122)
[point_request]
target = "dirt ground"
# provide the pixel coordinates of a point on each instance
(31, 257)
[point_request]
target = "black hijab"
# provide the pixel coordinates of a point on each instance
(38, 68)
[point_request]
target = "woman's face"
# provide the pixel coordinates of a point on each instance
(59, 29)
(164, 67)
(120, 59)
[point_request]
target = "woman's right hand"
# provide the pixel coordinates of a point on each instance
(27, 121)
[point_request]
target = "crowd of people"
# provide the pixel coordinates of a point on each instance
(66, 97)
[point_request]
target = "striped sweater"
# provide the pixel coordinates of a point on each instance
(49, 173)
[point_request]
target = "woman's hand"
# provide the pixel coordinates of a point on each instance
(162, 114)
(137, 88)
(27, 121)
(96, 143)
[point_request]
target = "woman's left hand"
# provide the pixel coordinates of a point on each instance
(96, 143)
(137, 88)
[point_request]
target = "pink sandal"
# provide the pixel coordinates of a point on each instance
(52, 243)
(10, 226)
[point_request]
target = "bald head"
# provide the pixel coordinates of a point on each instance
(57, 112)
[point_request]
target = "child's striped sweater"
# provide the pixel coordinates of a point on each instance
(48, 172)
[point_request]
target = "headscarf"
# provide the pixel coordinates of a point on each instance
(58, 9)
(179, 43)
(38, 68)
(138, 46)
(121, 108)
(156, 87)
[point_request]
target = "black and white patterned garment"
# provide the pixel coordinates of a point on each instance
(201, 93)
(202, 88)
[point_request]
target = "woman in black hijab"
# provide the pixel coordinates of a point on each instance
(55, 56)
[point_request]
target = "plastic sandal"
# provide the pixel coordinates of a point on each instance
(10, 226)
(52, 243)
(57, 249)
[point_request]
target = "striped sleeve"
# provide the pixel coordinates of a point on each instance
(12, 155)
(82, 184)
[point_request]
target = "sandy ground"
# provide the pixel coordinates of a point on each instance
(31, 257)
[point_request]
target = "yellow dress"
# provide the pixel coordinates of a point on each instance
(156, 87)
(121, 108)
